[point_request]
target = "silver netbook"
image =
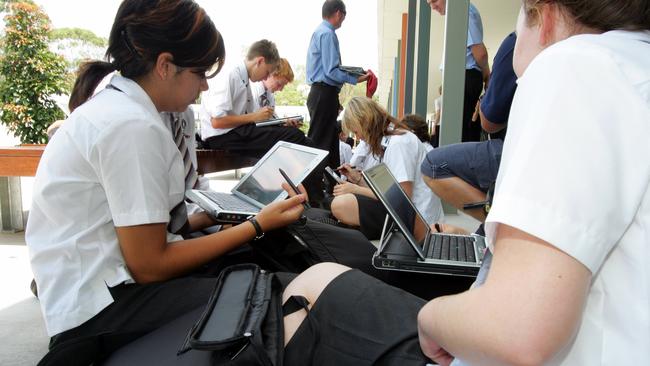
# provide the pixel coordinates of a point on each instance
(279, 121)
(408, 243)
(262, 185)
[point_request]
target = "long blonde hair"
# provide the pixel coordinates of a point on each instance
(372, 122)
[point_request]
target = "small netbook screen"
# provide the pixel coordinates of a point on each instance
(406, 213)
(265, 183)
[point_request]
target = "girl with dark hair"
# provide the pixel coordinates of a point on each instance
(568, 228)
(108, 197)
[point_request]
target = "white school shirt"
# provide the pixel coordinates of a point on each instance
(113, 163)
(362, 158)
(345, 152)
(576, 173)
(403, 156)
(257, 89)
(229, 95)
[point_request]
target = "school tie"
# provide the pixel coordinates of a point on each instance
(264, 99)
(178, 221)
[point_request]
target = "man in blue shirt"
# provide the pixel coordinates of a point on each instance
(326, 80)
(477, 74)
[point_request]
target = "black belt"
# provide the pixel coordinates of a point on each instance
(322, 84)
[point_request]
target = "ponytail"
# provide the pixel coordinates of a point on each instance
(89, 75)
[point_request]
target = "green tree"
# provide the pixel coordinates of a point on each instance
(294, 92)
(31, 73)
(76, 45)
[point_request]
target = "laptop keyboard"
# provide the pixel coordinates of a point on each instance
(450, 247)
(230, 202)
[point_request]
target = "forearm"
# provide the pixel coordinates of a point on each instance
(364, 191)
(527, 310)
(489, 126)
(232, 121)
(481, 56)
(170, 260)
(199, 221)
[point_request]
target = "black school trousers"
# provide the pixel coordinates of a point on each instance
(323, 105)
(473, 89)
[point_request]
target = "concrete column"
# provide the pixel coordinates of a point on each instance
(453, 84)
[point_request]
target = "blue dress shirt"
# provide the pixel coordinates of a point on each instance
(324, 58)
(474, 36)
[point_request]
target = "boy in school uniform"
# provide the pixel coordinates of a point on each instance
(230, 112)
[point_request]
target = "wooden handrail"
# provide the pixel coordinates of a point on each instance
(22, 161)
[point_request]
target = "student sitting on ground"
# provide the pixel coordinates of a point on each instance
(463, 173)
(108, 195)
(354, 203)
(568, 284)
(230, 110)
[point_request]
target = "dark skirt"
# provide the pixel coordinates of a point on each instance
(359, 320)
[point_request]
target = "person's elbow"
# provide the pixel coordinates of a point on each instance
(144, 274)
(480, 53)
(531, 349)
(217, 122)
(489, 126)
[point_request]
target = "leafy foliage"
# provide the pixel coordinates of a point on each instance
(31, 73)
(293, 93)
(80, 34)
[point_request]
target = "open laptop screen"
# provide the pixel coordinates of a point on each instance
(402, 207)
(264, 183)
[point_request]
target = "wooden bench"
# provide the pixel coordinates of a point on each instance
(22, 161)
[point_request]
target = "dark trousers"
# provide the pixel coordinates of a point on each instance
(137, 310)
(323, 105)
(473, 89)
(254, 141)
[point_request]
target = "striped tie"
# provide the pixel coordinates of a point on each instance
(178, 221)
(264, 100)
(178, 126)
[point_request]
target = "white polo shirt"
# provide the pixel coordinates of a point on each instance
(403, 156)
(229, 94)
(113, 163)
(575, 172)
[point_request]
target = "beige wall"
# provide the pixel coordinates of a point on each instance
(499, 18)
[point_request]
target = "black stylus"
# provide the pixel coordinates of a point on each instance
(293, 186)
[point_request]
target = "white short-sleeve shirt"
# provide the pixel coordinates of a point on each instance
(362, 158)
(345, 152)
(113, 163)
(576, 173)
(403, 156)
(229, 94)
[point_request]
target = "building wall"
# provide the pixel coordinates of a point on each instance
(499, 19)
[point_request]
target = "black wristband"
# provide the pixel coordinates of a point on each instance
(259, 233)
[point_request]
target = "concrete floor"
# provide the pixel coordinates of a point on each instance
(22, 331)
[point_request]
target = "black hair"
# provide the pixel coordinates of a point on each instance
(330, 7)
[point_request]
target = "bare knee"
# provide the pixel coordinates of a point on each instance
(311, 283)
(346, 209)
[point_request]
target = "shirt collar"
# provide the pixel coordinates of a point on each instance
(643, 36)
(243, 72)
(135, 92)
(328, 25)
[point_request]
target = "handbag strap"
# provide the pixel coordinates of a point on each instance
(295, 303)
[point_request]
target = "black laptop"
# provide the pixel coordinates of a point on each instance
(262, 185)
(408, 243)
